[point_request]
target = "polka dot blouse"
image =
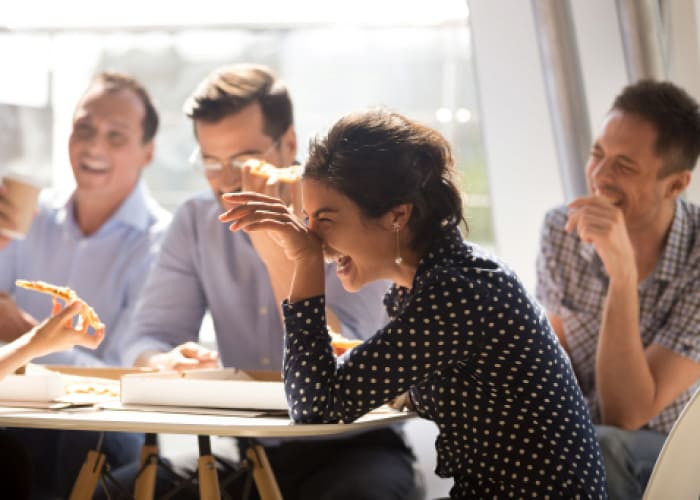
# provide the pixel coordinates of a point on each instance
(478, 358)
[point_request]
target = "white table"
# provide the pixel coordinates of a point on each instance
(155, 422)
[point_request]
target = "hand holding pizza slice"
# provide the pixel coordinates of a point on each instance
(87, 314)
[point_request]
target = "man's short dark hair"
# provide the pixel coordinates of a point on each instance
(116, 82)
(229, 89)
(675, 116)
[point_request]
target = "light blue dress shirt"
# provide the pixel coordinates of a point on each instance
(107, 269)
(203, 266)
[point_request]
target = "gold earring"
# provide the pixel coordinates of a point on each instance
(398, 259)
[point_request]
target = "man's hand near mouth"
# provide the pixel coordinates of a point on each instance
(598, 221)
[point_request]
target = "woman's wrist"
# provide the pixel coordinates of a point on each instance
(26, 347)
(309, 278)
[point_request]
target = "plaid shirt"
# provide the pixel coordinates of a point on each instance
(572, 284)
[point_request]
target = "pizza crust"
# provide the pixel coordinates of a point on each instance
(67, 295)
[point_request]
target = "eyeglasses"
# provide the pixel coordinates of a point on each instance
(213, 168)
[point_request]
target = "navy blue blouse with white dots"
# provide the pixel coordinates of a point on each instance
(478, 358)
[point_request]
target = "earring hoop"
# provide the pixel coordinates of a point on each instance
(398, 259)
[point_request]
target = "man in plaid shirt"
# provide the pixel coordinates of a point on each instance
(619, 275)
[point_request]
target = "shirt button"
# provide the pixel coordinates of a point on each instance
(263, 310)
(265, 361)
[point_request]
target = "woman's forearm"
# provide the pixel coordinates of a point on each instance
(309, 278)
(16, 354)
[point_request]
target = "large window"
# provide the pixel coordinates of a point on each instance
(417, 63)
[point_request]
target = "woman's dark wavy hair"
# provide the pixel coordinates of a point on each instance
(380, 159)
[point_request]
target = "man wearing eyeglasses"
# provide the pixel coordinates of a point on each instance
(242, 112)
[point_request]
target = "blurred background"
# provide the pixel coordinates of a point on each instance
(405, 56)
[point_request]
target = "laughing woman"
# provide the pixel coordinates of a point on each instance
(474, 352)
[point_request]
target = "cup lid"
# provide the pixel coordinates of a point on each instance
(25, 178)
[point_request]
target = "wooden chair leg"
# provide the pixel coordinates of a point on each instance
(84, 487)
(145, 486)
(268, 489)
(208, 477)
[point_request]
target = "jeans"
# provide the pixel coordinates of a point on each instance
(629, 458)
(57, 456)
(373, 465)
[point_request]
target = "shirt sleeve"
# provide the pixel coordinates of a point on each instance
(118, 333)
(8, 267)
(428, 334)
(681, 332)
(172, 304)
(78, 356)
(549, 287)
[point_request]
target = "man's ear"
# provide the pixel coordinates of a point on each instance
(288, 146)
(148, 153)
(679, 182)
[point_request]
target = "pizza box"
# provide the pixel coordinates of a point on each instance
(50, 383)
(104, 372)
(216, 388)
(31, 387)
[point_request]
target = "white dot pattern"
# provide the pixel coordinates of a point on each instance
(478, 358)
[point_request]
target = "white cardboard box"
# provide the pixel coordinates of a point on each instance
(47, 383)
(32, 387)
(219, 388)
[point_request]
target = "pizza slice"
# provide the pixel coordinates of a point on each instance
(67, 295)
(342, 344)
(273, 174)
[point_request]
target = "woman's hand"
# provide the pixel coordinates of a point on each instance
(288, 192)
(58, 334)
(401, 402)
(254, 212)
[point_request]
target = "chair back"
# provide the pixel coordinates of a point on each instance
(676, 473)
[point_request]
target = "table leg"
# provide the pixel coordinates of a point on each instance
(90, 472)
(208, 478)
(262, 473)
(145, 486)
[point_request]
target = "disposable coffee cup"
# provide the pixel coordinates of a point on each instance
(23, 194)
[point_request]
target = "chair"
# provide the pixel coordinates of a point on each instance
(676, 473)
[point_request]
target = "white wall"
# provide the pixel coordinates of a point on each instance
(684, 60)
(601, 55)
(523, 173)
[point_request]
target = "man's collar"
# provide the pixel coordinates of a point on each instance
(587, 251)
(676, 243)
(133, 211)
